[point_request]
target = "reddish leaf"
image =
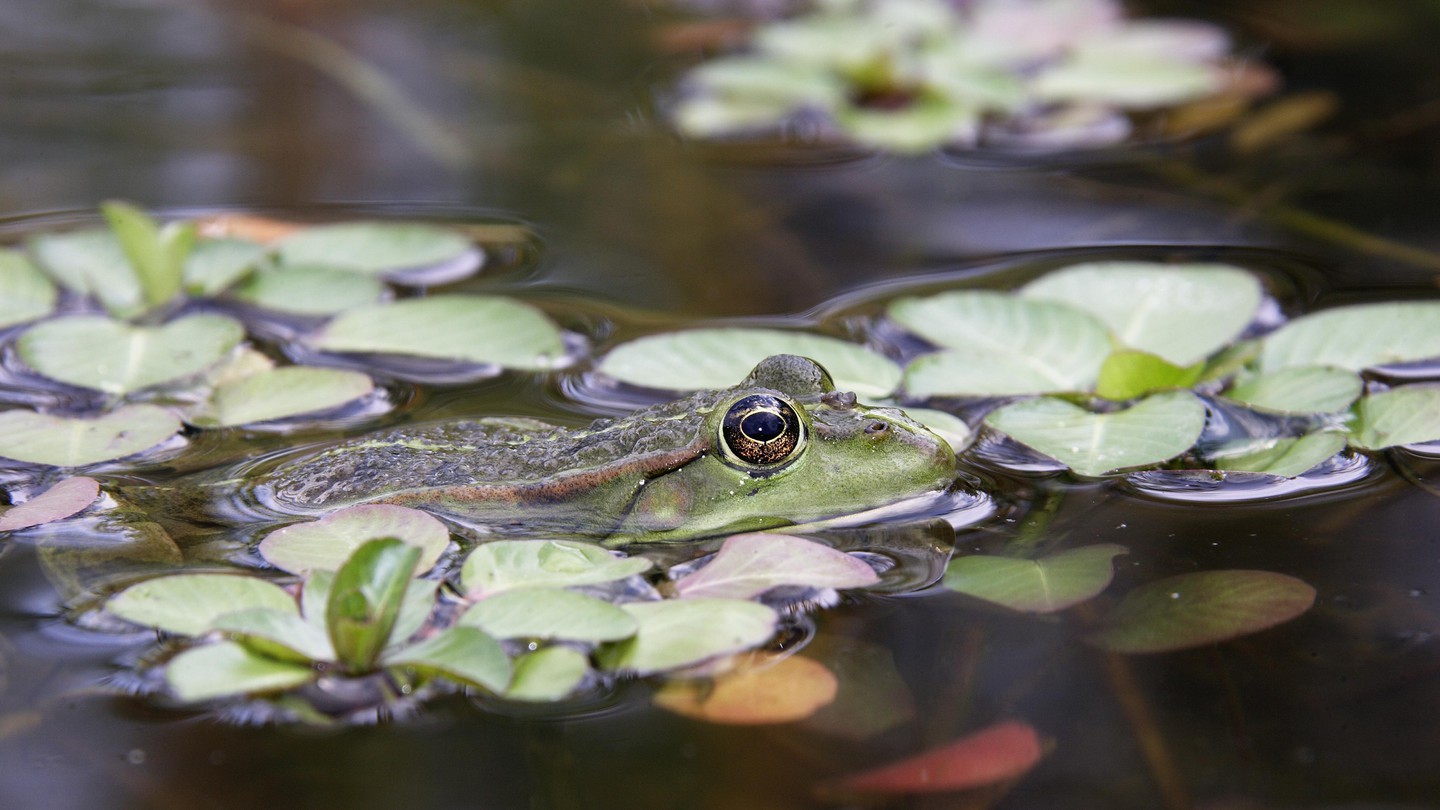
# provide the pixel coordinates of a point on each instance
(56, 503)
(994, 754)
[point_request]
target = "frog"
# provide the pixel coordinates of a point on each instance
(783, 447)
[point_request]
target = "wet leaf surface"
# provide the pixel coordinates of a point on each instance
(766, 692)
(1132, 374)
(91, 262)
(548, 674)
(504, 564)
(326, 544)
(60, 501)
(214, 265)
(1356, 337)
(677, 633)
(372, 247)
(1405, 415)
(994, 754)
(25, 292)
(156, 252)
(365, 598)
(1153, 430)
(228, 668)
(283, 636)
(1044, 585)
(1286, 457)
(1192, 610)
(1298, 390)
(64, 442)
(464, 654)
(549, 613)
(280, 393)
(117, 358)
(748, 565)
(309, 290)
(189, 604)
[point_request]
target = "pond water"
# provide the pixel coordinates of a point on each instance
(537, 120)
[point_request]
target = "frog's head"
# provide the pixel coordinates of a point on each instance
(785, 447)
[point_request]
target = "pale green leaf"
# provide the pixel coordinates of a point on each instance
(280, 393)
(326, 544)
(469, 328)
(65, 442)
(310, 290)
(274, 634)
(114, 357)
(955, 431)
(547, 674)
(677, 633)
(373, 247)
(1406, 415)
(214, 265)
(189, 604)
(91, 262)
(463, 654)
(1356, 337)
(25, 292)
(156, 253)
(1129, 80)
(1298, 390)
(1046, 585)
(748, 565)
(1286, 457)
(1151, 431)
(1128, 374)
(923, 124)
(549, 613)
(699, 359)
(1192, 610)
(227, 668)
(504, 564)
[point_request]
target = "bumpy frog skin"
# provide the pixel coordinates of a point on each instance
(783, 447)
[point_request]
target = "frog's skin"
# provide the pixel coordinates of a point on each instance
(665, 473)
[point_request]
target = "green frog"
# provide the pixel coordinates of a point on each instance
(780, 448)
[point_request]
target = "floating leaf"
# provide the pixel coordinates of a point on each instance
(997, 345)
(699, 359)
(415, 609)
(283, 636)
(549, 673)
(783, 691)
(1181, 313)
(504, 564)
(1128, 374)
(91, 262)
(216, 264)
(110, 356)
(63, 442)
(280, 393)
(189, 604)
(917, 127)
(1299, 390)
(1153, 430)
(365, 598)
(1045, 585)
(25, 292)
(1133, 81)
(156, 253)
(550, 614)
(679, 632)
(309, 290)
(1356, 337)
(373, 247)
(1406, 415)
(748, 565)
(64, 499)
(227, 668)
(1286, 457)
(470, 328)
(954, 430)
(1206, 607)
(463, 654)
(994, 754)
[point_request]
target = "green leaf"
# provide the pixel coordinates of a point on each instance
(66, 498)
(1406, 415)
(998, 345)
(1192, 610)
(1299, 390)
(1182, 313)
(309, 290)
(1132, 81)
(25, 292)
(699, 359)
(227, 668)
(64, 442)
(748, 565)
(373, 247)
(1045, 585)
(1155, 429)
(1285, 457)
(326, 544)
(415, 610)
(114, 357)
(923, 124)
(280, 635)
(189, 604)
(91, 262)
(770, 83)
(471, 328)
(1356, 337)
(677, 633)
(463, 654)
(504, 564)
(157, 254)
(216, 264)
(365, 599)
(1128, 374)
(278, 394)
(549, 614)
(548, 674)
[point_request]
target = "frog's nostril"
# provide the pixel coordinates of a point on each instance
(877, 427)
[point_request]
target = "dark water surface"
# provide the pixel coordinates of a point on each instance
(541, 113)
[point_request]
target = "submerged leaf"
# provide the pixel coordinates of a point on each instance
(66, 498)
(548, 674)
(227, 668)
(1286, 457)
(25, 292)
(373, 247)
(504, 564)
(189, 604)
(1299, 390)
(698, 359)
(114, 357)
(549, 613)
(1192, 610)
(463, 654)
(677, 633)
(365, 598)
(1151, 431)
(748, 565)
(63, 442)
(1181, 313)
(1045, 585)
(783, 691)
(994, 754)
(281, 393)
(1406, 415)
(1356, 337)
(470, 328)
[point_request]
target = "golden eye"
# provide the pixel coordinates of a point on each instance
(763, 430)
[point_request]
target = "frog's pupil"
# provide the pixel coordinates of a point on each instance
(762, 426)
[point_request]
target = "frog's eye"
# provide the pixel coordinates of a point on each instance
(762, 430)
